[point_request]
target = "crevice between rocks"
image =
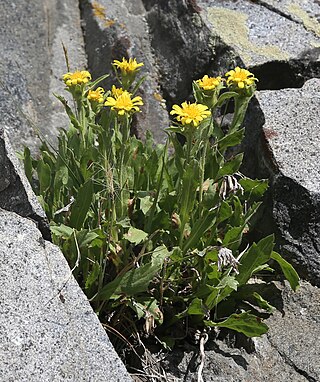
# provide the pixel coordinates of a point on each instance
(275, 10)
(276, 75)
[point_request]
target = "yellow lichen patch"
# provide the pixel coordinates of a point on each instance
(99, 10)
(310, 23)
(232, 27)
(109, 23)
(158, 97)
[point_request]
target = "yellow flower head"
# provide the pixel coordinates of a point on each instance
(77, 78)
(127, 67)
(240, 78)
(116, 92)
(96, 95)
(124, 103)
(209, 83)
(190, 113)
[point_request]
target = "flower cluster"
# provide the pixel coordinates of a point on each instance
(207, 90)
(123, 103)
(240, 78)
(77, 78)
(190, 113)
(96, 95)
(209, 83)
(127, 67)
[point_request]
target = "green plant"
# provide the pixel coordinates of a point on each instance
(157, 239)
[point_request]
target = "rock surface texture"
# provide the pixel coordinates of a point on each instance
(46, 331)
(32, 63)
(289, 352)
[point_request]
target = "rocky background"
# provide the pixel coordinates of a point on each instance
(178, 40)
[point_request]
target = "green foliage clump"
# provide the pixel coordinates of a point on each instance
(157, 234)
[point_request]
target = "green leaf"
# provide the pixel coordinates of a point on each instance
(225, 211)
(188, 190)
(199, 229)
(61, 231)
(289, 272)
(44, 175)
(231, 140)
(232, 166)
(136, 280)
(233, 237)
(245, 323)
(145, 204)
(254, 188)
(196, 308)
(225, 96)
(264, 304)
(85, 237)
(27, 163)
(135, 235)
(93, 275)
(70, 113)
(93, 84)
(257, 255)
(81, 205)
(225, 287)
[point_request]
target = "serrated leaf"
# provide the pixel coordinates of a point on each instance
(245, 323)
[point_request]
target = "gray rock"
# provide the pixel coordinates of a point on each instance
(32, 64)
(289, 352)
(288, 154)
(48, 331)
(257, 33)
(185, 48)
(15, 191)
(118, 29)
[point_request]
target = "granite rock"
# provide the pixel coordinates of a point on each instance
(119, 29)
(15, 191)
(184, 46)
(289, 352)
(48, 330)
(288, 154)
(32, 63)
(277, 40)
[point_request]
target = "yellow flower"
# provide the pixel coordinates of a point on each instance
(116, 92)
(127, 67)
(123, 103)
(96, 95)
(77, 78)
(209, 83)
(190, 113)
(241, 78)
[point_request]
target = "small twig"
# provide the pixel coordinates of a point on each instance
(203, 340)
